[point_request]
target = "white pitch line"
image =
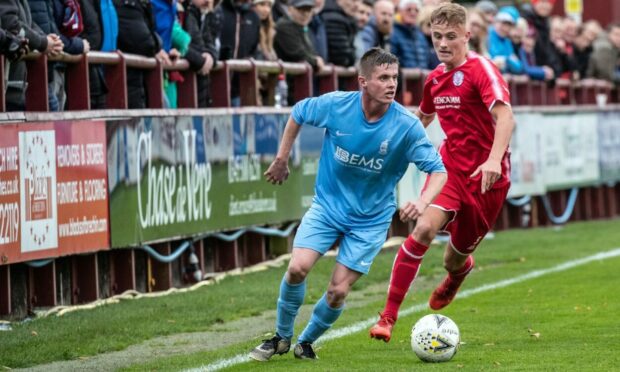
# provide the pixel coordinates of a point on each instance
(364, 324)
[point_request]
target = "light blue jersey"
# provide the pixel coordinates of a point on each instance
(361, 162)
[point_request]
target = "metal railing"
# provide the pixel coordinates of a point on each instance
(255, 76)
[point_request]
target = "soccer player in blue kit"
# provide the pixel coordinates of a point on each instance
(368, 145)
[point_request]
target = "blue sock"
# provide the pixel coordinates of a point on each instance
(322, 318)
(291, 298)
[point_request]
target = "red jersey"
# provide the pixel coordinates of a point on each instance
(463, 98)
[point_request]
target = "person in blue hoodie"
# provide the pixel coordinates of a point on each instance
(501, 51)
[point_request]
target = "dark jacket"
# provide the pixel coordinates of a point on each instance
(240, 31)
(48, 15)
(4, 40)
(239, 35)
(136, 28)
(341, 30)
(203, 38)
(292, 43)
(93, 32)
(15, 17)
(567, 64)
(73, 45)
(204, 30)
(582, 58)
(279, 10)
(10, 45)
(43, 15)
(545, 52)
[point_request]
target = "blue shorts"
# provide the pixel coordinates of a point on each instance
(358, 248)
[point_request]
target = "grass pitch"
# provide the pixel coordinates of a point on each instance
(565, 320)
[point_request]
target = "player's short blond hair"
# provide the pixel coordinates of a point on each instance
(451, 14)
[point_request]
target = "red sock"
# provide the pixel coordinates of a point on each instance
(404, 271)
(460, 275)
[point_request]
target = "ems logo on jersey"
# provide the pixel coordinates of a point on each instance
(457, 79)
(342, 154)
(383, 149)
(435, 82)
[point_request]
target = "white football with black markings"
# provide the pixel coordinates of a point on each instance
(435, 338)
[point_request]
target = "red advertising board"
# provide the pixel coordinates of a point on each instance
(53, 190)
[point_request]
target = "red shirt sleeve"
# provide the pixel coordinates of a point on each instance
(427, 106)
(491, 84)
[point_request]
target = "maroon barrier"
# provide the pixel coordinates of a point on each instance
(523, 90)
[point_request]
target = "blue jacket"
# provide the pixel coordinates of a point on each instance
(109, 24)
(371, 36)
(164, 12)
(409, 44)
(318, 36)
(529, 65)
(502, 46)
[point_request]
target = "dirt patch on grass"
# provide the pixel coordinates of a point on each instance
(218, 336)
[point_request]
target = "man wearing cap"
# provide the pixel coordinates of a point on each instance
(501, 50)
(407, 42)
(488, 8)
(292, 42)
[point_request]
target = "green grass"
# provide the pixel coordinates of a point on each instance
(574, 311)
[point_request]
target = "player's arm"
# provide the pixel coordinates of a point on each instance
(426, 104)
(424, 118)
(411, 211)
(491, 169)
(278, 170)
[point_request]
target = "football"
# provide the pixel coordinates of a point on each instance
(435, 338)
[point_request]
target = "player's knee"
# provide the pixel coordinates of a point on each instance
(296, 273)
(424, 232)
(336, 295)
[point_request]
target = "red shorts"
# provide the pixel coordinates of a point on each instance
(473, 213)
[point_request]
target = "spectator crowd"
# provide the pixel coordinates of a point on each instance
(524, 40)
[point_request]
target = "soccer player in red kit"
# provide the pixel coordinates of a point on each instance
(472, 101)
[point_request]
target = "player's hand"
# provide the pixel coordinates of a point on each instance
(491, 172)
(411, 211)
(277, 172)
